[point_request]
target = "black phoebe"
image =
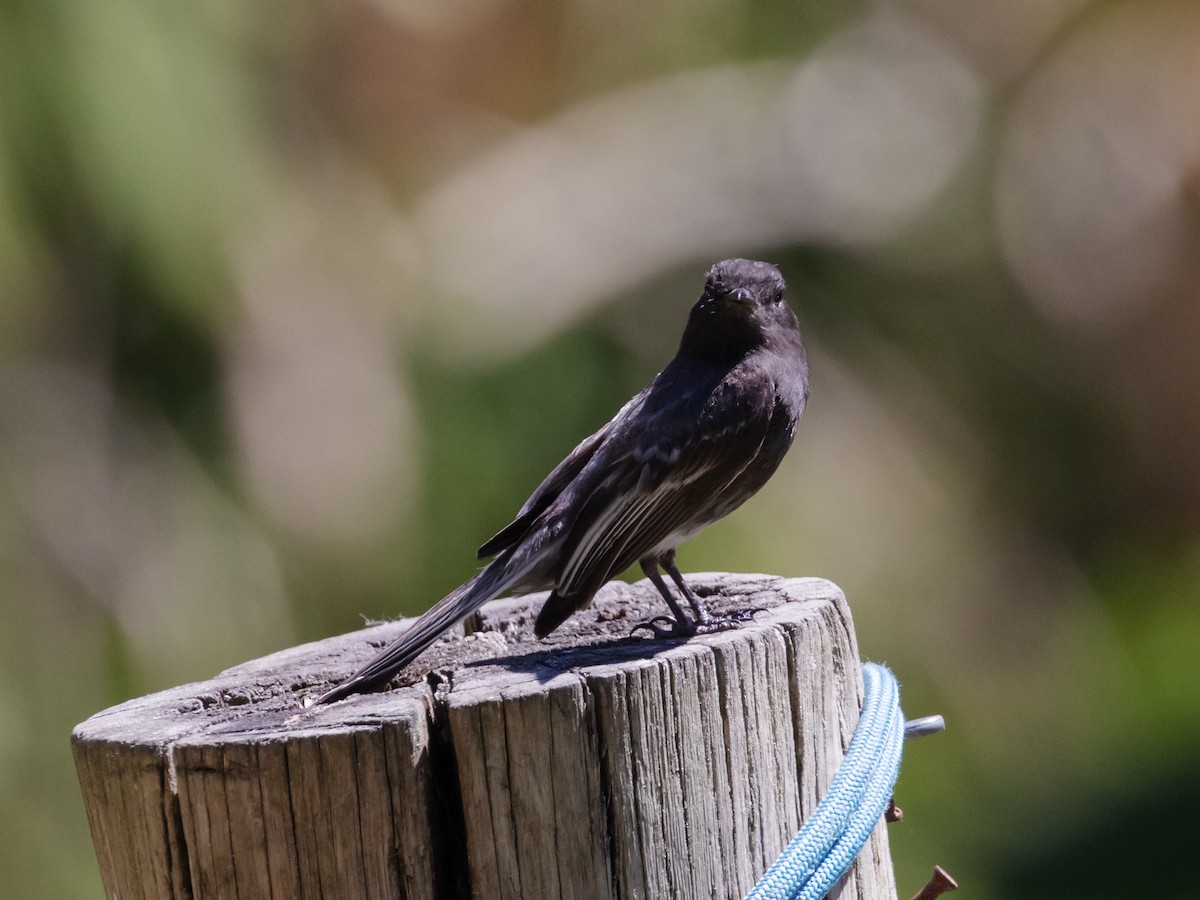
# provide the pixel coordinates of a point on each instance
(693, 446)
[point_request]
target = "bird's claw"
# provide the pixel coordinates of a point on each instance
(708, 625)
(673, 628)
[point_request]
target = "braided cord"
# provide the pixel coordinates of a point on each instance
(825, 847)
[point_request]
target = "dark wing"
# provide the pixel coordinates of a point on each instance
(669, 483)
(547, 492)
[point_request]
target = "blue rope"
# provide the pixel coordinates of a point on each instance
(825, 847)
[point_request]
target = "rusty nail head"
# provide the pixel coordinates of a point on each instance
(939, 884)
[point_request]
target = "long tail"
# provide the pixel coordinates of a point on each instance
(488, 584)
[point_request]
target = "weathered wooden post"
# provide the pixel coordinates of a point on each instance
(592, 766)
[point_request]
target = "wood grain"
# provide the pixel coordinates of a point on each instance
(589, 766)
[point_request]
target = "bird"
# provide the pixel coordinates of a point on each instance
(706, 433)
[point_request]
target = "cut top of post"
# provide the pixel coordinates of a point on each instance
(589, 765)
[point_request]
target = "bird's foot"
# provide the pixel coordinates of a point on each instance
(666, 627)
(672, 629)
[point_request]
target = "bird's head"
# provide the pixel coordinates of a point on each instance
(741, 308)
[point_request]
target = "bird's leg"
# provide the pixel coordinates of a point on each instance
(682, 626)
(705, 621)
(703, 617)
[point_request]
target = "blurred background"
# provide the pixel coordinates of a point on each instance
(299, 301)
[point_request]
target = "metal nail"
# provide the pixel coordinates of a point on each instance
(939, 884)
(915, 728)
(893, 812)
